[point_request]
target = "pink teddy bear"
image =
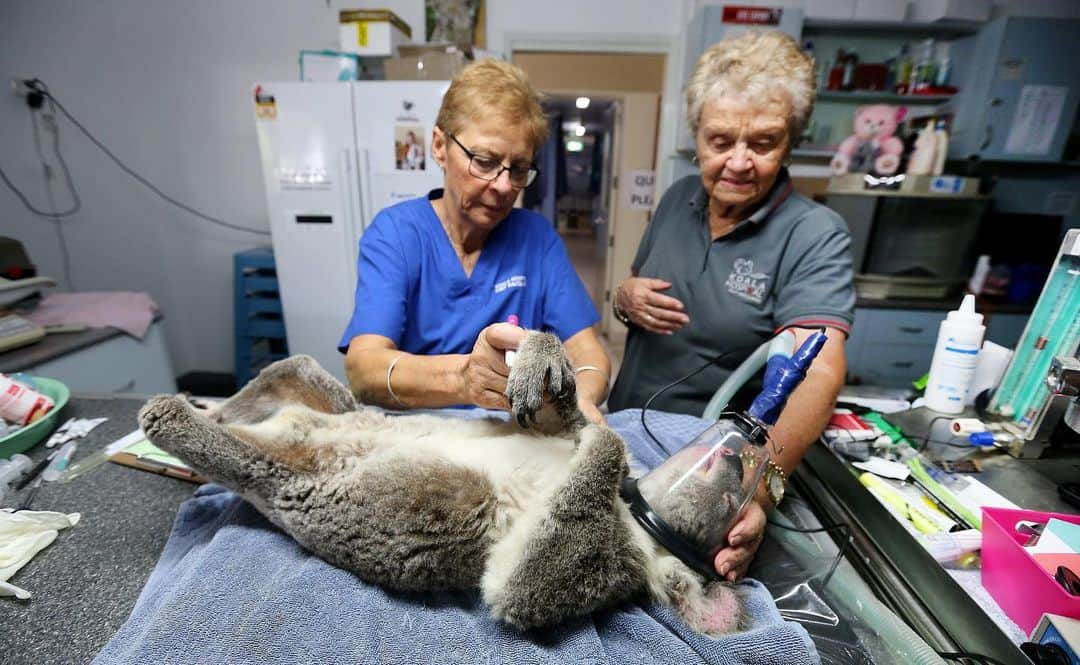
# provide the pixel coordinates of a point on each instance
(873, 143)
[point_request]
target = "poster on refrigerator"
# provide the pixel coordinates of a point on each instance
(1036, 121)
(409, 152)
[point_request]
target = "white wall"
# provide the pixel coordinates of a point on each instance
(167, 87)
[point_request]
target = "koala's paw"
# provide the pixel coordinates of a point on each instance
(166, 417)
(541, 367)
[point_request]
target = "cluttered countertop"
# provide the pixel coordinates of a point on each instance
(85, 584)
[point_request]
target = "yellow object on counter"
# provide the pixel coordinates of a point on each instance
(912, 512)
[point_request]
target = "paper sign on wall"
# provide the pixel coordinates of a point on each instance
(639, 193)
(1036, 121)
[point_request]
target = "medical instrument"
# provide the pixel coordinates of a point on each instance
(1041, 386)
(12, 469)
(37, 468)
(511, 354)
(730, 452)
(60, 463)
(955, 356)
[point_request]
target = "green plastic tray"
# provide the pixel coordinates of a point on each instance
(31, 435)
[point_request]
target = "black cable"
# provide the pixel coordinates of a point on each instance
(55, 218)
(676, 382)
(969, 655)
(39, 86)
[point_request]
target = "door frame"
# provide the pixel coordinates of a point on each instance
(621, 254)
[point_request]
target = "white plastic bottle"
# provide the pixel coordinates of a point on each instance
(955, 356)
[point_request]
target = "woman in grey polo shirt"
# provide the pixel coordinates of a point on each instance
(735, 255)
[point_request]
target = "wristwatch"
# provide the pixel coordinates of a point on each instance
(774, 481)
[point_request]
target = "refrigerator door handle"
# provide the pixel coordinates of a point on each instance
(351, 206)
(366, 188)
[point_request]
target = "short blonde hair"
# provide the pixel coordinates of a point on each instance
(493, 87)
(755, 64)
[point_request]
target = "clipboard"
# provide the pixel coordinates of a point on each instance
(137, 452)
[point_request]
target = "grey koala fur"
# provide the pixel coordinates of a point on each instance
(531, 516)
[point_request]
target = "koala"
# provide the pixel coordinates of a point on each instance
(528, 511)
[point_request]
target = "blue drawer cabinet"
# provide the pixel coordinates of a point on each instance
(893, 347)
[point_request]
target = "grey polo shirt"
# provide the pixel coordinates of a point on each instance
(786, 265)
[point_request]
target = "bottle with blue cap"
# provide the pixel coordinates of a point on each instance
(955, 356)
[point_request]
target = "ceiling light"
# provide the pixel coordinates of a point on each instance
(579, 130)
(574, 146)
(582, 102)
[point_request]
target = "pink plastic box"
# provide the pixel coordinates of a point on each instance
(1016, 581)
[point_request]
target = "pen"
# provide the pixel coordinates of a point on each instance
(25, 505)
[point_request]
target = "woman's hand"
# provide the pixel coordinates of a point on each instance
(743, 541)
(640, 298)
(485, 373)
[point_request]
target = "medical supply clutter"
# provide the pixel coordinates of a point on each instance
(955, 357)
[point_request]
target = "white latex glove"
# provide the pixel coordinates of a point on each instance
(24, 534)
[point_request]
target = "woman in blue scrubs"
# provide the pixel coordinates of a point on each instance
(440, 276)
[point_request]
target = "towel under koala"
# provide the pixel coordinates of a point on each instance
(420, 502)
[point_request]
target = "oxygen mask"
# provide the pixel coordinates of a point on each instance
(691, 500)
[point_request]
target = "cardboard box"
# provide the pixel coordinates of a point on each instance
(880, 10)
(430, 67)
(372, 32)
(926, 11)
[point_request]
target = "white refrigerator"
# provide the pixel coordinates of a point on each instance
(333, 155)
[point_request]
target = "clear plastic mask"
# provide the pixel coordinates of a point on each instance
(702, 488)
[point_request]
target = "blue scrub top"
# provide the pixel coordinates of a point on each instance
(412, 288)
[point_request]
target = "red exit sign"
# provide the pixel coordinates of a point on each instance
(751, 15)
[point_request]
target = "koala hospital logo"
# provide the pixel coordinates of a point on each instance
(745, 283)
(407, 114)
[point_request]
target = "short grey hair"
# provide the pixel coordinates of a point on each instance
(755, 64)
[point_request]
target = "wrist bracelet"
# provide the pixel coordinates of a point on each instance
(620, 315)
(389, 388)
(591, 368)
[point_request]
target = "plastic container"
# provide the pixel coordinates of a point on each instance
(11, 469)
(1022, 588)
(27, 437)
(955, 356)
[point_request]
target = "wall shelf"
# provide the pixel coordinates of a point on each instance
(891, 28)
(879, 96)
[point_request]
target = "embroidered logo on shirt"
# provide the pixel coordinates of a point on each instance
(745, 283)
(515, 282)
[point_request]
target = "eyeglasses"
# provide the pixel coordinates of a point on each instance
(486, 168)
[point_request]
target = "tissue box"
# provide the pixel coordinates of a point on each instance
(1023, 589)
(329, 66)
(924, 11)
(370, 32)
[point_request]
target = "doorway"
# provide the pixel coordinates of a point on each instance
(604, 109)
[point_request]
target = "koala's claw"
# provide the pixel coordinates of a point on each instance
(541, 369)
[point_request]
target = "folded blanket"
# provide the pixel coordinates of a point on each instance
(230, 587)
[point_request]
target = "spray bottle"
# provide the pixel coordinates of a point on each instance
(955, 357)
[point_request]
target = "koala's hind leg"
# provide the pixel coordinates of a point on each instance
(172, 424)
(542, 367)
(575, 553)
(296, 380)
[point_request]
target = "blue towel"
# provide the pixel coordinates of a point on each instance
(232, 588)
